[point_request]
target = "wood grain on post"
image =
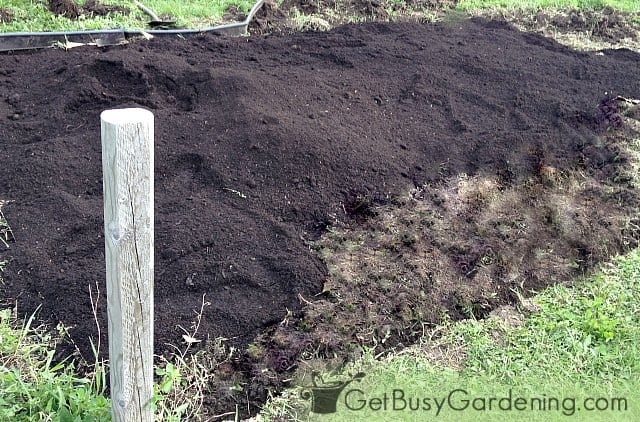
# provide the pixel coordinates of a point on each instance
(127, 162)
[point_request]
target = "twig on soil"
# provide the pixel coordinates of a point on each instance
(94, 309)
(240, 194)
(98, 381)
(6, 234)
(222, 415)
(302, 299)
(285, 320)
(628, 100)
(190, 338)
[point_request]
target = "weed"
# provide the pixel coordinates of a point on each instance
(186, 379)
(34, 387)
(255, 352)
(304, 22)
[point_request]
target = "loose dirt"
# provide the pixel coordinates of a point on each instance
(95, 8)
(66, 8)
(264, 144)
(6, 16)
(91, 8)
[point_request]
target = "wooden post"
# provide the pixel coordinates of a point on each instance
(127, 163)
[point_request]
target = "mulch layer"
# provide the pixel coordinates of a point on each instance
(262, 142)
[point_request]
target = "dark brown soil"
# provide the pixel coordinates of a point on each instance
(262, 143)
(233, 14)
(271, 18)
(462, 245)
(95, 8)
(66, 8)
(71, 10)
(6, 16)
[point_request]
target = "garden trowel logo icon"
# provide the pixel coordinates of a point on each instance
(324, 395)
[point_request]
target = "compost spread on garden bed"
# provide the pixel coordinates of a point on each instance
(261, 144)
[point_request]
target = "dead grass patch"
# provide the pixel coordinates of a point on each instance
(461, 248)
(586, 30)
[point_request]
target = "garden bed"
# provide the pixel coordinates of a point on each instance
(322, 191)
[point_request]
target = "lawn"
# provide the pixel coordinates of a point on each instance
(34, 15)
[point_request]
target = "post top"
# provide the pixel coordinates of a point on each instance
(126, 115)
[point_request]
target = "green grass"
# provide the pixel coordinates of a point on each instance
(34, 388)
(197, 13)
(580, 342)
(622, 5)
(33, 15)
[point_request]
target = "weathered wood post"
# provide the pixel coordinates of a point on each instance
(127, 163)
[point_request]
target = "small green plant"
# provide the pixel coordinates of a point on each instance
(170, 379)
(187, 378)
(599, 320)
(254, 351)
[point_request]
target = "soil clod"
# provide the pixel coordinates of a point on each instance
(66, 8)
